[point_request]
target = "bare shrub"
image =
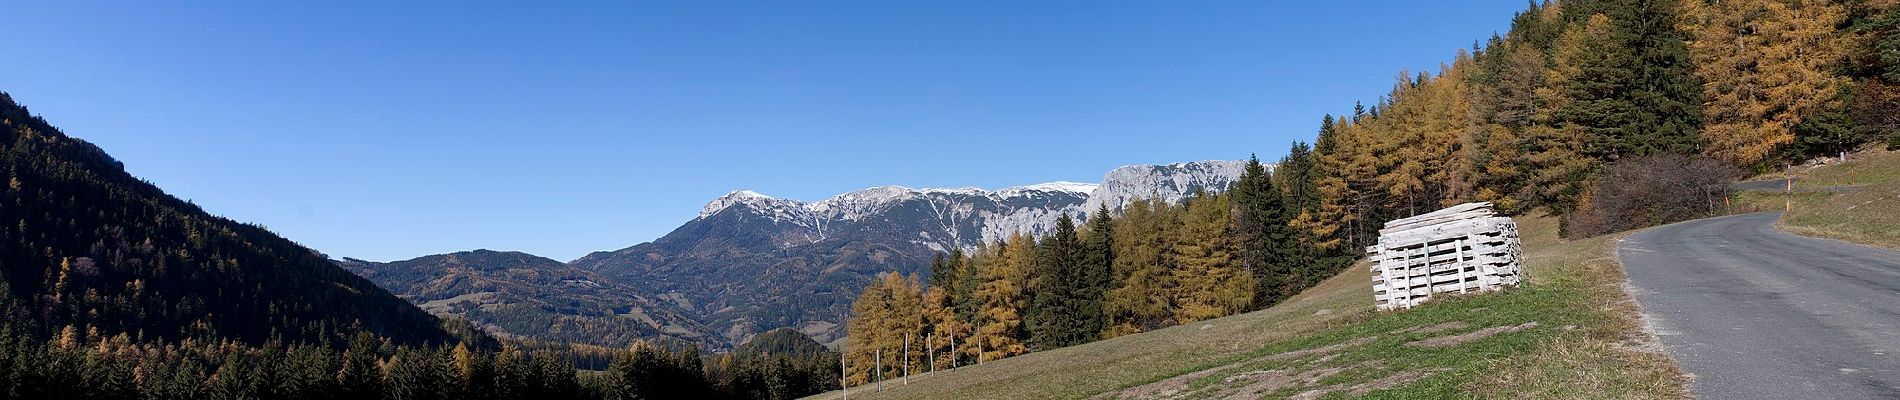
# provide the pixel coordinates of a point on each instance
(1651, 190)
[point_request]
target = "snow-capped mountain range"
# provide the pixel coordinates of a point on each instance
(1031, 209)
(752, 262)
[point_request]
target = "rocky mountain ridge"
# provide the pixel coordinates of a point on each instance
(750, 262)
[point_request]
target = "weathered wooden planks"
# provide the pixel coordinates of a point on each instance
(1462, 248)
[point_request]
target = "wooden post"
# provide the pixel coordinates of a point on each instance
(1461, 264)
(953, 348)
(843, 384)
(1788, 203)
(979, 352)
(907, 359)
(879, 366)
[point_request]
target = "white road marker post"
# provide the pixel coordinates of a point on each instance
(843, 384)
(907, 359)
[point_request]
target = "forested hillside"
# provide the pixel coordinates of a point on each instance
(521, 295)
(115, 290)
(1584, 109)
(91, 252)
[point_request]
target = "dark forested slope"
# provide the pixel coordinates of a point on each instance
(86, 249)
(523, 295)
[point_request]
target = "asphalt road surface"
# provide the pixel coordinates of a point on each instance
(1772, 185)
(1757, 313)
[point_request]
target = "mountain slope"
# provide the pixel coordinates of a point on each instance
(523, 295)
(751, 262)
(86, 245)
(1329, 342)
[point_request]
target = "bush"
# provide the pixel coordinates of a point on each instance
(1651, 190)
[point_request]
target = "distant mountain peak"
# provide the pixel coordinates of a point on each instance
(752, 261)
(752, 199)
(1057, 186)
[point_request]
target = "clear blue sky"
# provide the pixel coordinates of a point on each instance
(387, 131)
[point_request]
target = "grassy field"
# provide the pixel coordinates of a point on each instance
(1857, 201)
(1570, 332)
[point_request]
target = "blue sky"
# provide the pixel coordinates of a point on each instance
(387, 131)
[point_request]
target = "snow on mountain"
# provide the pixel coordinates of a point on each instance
(789, 209)
(991, 214)
(753, 262)
(1172, 182)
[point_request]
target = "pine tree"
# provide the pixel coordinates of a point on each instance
(1059, 301)
(942, 272)
(1556, 156)
(1314, 251)
(1098, 273)
(1636, 92)
(1261, 235)
(361, 376)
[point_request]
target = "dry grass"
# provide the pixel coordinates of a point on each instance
(1587, 342)
(1857, 201)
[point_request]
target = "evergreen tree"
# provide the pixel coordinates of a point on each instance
(1261, 234)
(942, 272)
(1057, 311)
(1097, 275)
(361, 376)
(1636, 93)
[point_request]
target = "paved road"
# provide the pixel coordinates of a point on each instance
(1756, 313)
(1781, 186)
(1772, 185)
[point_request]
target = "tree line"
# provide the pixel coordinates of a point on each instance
(76, 366)
(1612, 114)
(1152, 264)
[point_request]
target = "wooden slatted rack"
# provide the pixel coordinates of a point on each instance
(1462, 249)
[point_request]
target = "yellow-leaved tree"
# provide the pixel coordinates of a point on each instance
(1766, 65)
(1208, 282)
(1002, 296)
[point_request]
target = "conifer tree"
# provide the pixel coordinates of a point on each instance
(361, 376)
(1636, 92)
(1060, 300)
(1098, 276)
(1261, 235)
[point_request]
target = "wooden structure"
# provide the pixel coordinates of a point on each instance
(1459, 249)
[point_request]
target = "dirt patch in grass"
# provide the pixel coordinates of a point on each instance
(1436, 328)
(1454, 340)
(1178, 386)
(1254, 384)
(1363, 388)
